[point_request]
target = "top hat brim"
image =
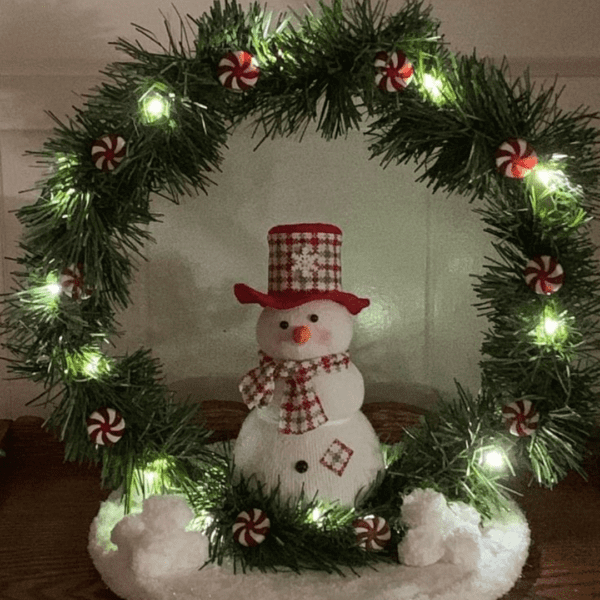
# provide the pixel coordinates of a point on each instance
(287, 300)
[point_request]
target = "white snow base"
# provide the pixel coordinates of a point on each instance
(149, 555)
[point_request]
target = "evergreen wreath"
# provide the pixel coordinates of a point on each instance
(157, 126)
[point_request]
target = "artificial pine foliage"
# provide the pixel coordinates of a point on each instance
(316, 69)
(304, 534)
(451, 442)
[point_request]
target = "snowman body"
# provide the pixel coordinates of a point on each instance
(338, 460)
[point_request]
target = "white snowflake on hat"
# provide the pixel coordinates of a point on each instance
(305, 261)
(297, 249)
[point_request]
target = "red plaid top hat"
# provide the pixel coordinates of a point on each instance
(305, 264)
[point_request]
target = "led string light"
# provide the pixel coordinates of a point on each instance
(552, 329)
(434, 87)
(87, 363)
(493, 458)
(156, 105)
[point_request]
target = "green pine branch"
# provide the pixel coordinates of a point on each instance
(316, 69)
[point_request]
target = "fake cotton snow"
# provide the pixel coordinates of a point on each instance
(447, 555)
(439, 531)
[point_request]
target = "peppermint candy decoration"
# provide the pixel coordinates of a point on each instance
(521, 417)
(251, 527)
(105, 426)
(516, 158)
(544, 275)
(72, 283)
(238, 71)
(372, 533)
(394, 72)
(108, 152)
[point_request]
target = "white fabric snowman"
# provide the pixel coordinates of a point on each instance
(306, 430)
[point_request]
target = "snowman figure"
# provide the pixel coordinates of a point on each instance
(305, 431)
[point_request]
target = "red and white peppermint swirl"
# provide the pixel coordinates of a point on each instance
(394, 72)
(521, 417)
(72, 283)
(516, 158)
(251, 527)
(105, 426)
(544, 275)
(238, 71)
(108, 152)
(372, 533)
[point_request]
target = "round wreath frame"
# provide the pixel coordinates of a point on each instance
(318, 70)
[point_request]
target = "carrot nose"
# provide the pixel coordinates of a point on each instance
(301, 334)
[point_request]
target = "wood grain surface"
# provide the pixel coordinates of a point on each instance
(47, 505)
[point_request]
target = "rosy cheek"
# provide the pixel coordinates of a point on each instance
(322, 335)
(283, 336)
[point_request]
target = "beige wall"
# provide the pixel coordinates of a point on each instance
(408, 250)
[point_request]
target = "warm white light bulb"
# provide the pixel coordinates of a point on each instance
(156, 108)
(207, 522)
(494, 459)
(92, 366)
(551, 325)
(433, 86)
(553, 179)
(49, 294)
(155, 105)
(545, 176)
(150, 478)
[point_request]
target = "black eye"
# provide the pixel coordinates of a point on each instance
(284, 324)
(314, 318)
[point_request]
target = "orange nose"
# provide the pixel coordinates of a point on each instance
(301, 334)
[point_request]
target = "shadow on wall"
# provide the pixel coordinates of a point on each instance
(48, 51)
(226, 388)
(199, 389)
(181, 310)
(207, 341)
(51, 33)
(203, 331)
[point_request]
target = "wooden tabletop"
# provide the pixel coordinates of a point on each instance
(46, 507)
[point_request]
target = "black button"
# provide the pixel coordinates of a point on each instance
(301, 466)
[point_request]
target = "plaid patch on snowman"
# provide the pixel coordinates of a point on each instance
(337, 457)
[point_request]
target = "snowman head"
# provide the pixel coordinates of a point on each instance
(310, 330)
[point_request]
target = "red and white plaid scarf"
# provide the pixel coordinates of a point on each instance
(301, 409)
